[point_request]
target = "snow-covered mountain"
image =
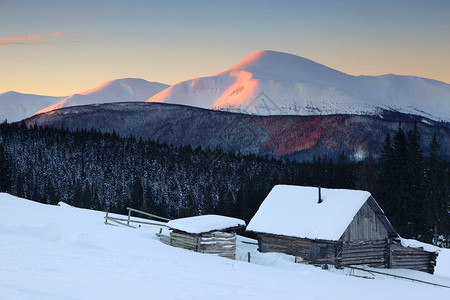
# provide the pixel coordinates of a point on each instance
(16, 106)
(120, 90)
(275, 83)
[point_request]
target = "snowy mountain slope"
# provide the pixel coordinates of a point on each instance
(62, 252)
(16, 106)
(275, 83)
(120, 90)
(299, 137)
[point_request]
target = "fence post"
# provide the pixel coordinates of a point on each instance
(129, 216)
(106, 219)
(248, 256)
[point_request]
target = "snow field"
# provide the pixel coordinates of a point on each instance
(62, 252)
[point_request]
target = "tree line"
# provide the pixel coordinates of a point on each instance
(104, 171)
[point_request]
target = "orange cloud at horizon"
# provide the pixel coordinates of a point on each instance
(16, 39)
(30, 38)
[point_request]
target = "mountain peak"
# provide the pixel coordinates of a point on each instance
(285, 67)
(269, 57)
(10, 93)
(122, 82)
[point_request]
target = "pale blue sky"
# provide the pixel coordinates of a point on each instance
(65, 47)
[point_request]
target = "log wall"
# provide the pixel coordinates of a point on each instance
(372, 253)
(296, 246)
(283, 244)
(383, 253)
(412, 258)
(184, 240)
(219, 243)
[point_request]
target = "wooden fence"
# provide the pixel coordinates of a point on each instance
(126, 222)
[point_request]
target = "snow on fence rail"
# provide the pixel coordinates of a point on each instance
(121, 221)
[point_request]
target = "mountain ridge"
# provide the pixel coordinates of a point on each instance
(15, 106)
(264, 83)
(296, 137)
(118, 90)
(295, 85)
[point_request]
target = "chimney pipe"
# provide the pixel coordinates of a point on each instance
(320, 196)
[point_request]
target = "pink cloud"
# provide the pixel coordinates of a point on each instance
(59, 35)
(32, 38)
(18, 39)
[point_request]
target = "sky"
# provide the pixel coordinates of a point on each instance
(60, 47)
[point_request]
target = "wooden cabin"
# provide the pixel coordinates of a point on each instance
(336, 226)
(211, 234)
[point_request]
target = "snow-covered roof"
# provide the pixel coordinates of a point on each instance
(294, 211)
(205, 223)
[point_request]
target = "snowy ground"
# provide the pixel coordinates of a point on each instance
(61, 252)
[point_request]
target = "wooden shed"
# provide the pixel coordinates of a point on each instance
(337, 226)
(210, 234)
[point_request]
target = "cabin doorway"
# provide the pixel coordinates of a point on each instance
(317, 251)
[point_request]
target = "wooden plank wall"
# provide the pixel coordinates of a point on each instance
(366, 225)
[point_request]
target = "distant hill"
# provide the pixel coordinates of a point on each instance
(300, 137)
(16, 106)
(276, 83)
(119, 90)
